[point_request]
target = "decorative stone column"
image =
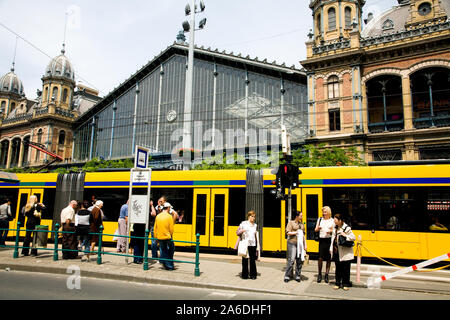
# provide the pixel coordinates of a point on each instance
(8, 161)
(407, 104)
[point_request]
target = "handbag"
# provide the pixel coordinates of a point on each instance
(342, 241)
(317, 233)
(243, 248)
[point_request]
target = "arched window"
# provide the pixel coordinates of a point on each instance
(39, 136)
(3, 107)
(348, 17)
(333, 87)
(331, 19)
(45, 96)
(65, 95)
(62, 137)
(319, 23)
(13, 106)
(55, 94)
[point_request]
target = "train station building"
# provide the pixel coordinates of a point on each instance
(233, 96)
(381, 84)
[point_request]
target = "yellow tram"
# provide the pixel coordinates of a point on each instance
(393, 208)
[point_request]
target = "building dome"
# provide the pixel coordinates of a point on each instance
(60, 67)
(394, 19)
(10, 83)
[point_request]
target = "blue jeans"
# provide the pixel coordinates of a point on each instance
(4, 224)
(154, 244)
(167, 251)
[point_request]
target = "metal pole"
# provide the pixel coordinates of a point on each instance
(55, 249)
(146, 250)
(16, 245)
(100, 238)
(358, 260)
(187, 128)
(197, 256)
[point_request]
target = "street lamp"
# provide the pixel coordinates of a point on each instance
(190, 27)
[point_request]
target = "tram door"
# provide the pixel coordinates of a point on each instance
(210, 216)
(24, 195)
(312, 204)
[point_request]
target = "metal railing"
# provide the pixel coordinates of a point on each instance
(100, 252)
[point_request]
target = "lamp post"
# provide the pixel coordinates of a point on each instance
(187, 124)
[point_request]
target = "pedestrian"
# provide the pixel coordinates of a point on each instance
(164, 227)
(137, 241)
(249, 230)
(342, 255)
(123, 229)
(96, 221)
(5, 217)
(324, 226)
(82, 227)
(69, 239)
(154, 242)
(296, 247)
(33, 212)
(172, 212)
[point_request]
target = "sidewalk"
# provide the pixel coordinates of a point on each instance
(218, 272)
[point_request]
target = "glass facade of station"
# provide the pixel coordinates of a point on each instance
(226, 100)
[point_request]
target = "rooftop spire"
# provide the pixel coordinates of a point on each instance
(14, 58)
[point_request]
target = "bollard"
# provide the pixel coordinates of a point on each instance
(197, 256)
(146, 251)
(16, 245)
(55, 250)
(358, 260)
(100, 238)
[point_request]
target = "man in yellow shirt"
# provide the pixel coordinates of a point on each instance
(164, 233)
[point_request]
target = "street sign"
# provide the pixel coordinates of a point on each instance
(138, 209)
(141, 157)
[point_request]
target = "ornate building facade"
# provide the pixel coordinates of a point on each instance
(382, 85)
(47, 120)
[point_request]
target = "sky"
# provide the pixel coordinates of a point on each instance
(109, 40)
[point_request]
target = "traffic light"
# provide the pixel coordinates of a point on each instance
(286, 177)
(289, 175)
(279, 189)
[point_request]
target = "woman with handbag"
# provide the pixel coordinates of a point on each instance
(324, 226)
(341, 249)
(33, 213)
(249, 235)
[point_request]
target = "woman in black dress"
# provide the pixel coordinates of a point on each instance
(33, 213)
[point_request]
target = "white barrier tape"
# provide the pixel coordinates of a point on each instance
(413, 268)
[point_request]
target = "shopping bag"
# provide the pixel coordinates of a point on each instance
(116, 233)
(243, 248)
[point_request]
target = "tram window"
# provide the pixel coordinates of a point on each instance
(236, 206)
(12, 195)
(201, 214)
(351, 203)
(312, 211)
(272, 210)
(219, 214)
(49, 202)
(113, 199)
(179, 198)
(438, 210)
(400, 209)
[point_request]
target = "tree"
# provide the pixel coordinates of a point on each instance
(321, 156)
